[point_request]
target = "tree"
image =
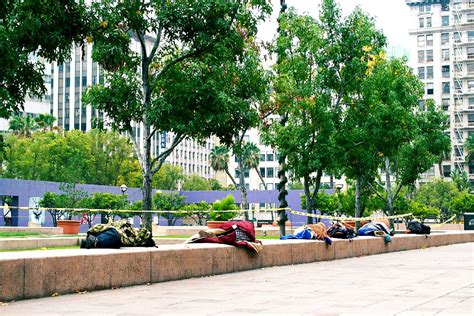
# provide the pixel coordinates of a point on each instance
(318, 66)
(193, 210)
(218, 207)
(22, 125)
(390, 95)
(461, 179)
(167, 177)
(45, 121)
(197, 72)
(438, 194)
(463, 203)
(105, 201)
(167, 202)
(215, 185)
(421, 211)
(46, 29)
(219, 156)
(195, 182)
(251, 159)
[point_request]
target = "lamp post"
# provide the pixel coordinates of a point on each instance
(123, 188)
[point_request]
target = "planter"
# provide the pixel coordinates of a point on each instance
(70, 227)
(215, 224)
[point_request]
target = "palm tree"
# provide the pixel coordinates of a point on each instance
(251, 159)
(45, 121)
(220, 160)
(22, 125)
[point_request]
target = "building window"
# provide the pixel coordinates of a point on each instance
(457, 37)
(470, 17)
(269, 172)
(444, 38)
(421, 72)
(429, 89)
(445, 71)
(445, 20)
(429, 40)
(262, 172)
(470, 68)
(446, 88)
(429, 72)
(421, 41)
(421, 105)
(458, 86)
(421, 22)
(471, 102)
(445, 104)
(470, 36)
(445, 54)
(470, 52)
(424, 8)
(262, 157)
(470, 119)
(270, 157)
(444, 7)
(429, 55)
(428, 22)
(421, 56)
(457, 152)
(470, 85)
(447, 170)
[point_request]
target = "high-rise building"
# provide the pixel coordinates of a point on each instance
(442, 54)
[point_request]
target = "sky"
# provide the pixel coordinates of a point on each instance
(391, 17)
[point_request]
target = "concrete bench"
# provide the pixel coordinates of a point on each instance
(32, 274)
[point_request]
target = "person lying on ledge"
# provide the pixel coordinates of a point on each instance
(117, 234)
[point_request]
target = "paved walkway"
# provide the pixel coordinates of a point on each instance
(432, 281)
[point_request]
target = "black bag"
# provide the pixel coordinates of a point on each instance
(415, 227)
(337, 230)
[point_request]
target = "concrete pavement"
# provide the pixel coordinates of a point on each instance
(431, 281)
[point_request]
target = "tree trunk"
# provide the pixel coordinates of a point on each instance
(147, 201)
(231, 177)
(357, 202)
(388, 189)
(261, 179)
(243, 189)
(309, 202)
(314, 198)
(281, 186)
(331, 181)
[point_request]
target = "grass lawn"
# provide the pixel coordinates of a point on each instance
(30, 235)
(43, 248)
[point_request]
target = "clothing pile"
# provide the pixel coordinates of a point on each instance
(310, 231)
(339, 230)
(415, 227)
(117, 234)
(379, 229)
(240, 234)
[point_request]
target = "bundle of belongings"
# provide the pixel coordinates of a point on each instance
(310, 231)
(241, 234)
(379, 229)
(415, 227)
(117, 234)
(338, 230)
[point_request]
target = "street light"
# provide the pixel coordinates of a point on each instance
(339, 187)
(123, 188)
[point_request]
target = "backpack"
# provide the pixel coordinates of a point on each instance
(337, 230)
(415, 227)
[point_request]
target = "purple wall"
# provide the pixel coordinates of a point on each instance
(24, 189)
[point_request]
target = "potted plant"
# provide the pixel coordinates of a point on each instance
(217, 217)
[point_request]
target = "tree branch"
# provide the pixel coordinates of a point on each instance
(162, 157)
(135, 146)
(142, 45)
(397, 191)
(158, 37)
(373, 189)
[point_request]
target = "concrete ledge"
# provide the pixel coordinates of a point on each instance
(32, 274)
(35, 243)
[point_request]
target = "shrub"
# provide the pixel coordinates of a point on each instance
(227, 204)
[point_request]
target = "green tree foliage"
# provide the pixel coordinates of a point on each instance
(195, 182)
(197, 75)
(167, 177)
(95, 157)
(193, 211)
(463, 203)
(169, 202)
(45, 121)
(220, 161)
(46, 29)
(106, 201)
(319, 67)
(461, 179)
(422, 211)
(215, 185)
(22, 125)
(226, 204)
(70, 198)
(251, 159)
(438, 194)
